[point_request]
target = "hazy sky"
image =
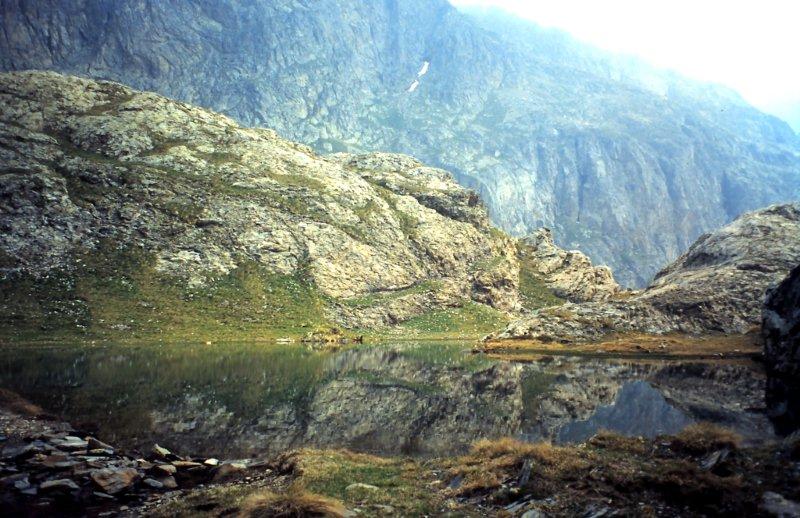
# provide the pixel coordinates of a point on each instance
(752, 46)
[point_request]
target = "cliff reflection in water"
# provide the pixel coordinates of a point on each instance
(433, 398)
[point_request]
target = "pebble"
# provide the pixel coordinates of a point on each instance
(186, 464)
(97, 444)
(70, 442)
(114, 481)
(161, 452)
(62, 484)
(168, 482)
(359, 486)
(227, 471)
(165, 469)
(155, 484)
(777, 505)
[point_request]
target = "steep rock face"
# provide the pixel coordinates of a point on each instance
(781, 326)
(624, 162)
(570, 274)
(718, 285)
(96, 170)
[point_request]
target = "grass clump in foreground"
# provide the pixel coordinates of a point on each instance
(704, 438)
(319, 482)
(292, 504)
(701, 471)
(368, 482)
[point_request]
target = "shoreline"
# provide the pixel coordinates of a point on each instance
(635, 346)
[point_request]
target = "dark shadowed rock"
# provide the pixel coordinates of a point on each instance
(63, 484)
(781, 330)
(781, 326)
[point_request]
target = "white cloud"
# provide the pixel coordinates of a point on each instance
(751, 46)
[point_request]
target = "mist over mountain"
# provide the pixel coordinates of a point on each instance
(627, 163)
(790, 112)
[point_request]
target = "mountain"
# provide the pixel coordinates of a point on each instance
(627, 163)
(124, 212)
(718, 286)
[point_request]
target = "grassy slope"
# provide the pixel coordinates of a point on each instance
(116, 294)
(532, 289)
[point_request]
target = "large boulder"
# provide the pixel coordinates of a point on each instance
(781, 326)
(781, 330)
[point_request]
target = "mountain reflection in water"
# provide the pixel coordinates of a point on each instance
(424, 398)
(638, 410)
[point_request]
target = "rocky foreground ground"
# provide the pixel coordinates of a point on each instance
(47, 468)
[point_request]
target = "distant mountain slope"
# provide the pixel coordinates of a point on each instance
(626, 163)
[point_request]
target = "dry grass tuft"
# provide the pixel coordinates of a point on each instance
(607, 440)
(491, 463)
(702, 438)
(294, 504)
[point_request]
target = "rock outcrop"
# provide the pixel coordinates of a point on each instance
(107, 193)
(569, 274)
(626, 163)
(718, 285)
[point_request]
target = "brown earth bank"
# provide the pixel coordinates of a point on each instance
(633, 344)
(49, 469)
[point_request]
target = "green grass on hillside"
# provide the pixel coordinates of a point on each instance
(471, 320)
(116, 293)
(535, 294)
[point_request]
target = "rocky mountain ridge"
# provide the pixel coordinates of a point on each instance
(125, 211)
(568, 273)
(717, 286)
(98, 172)
(626, 163)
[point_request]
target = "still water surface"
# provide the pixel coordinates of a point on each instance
(421, 398)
